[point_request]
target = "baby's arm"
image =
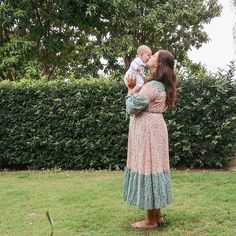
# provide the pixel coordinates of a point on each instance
(145, 80)
(140, 69)
(136, 89)
(139, 84)
(134, 65)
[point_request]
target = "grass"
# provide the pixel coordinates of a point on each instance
(90, 203)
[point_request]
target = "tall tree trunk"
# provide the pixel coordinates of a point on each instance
(128, 60)
(46, 70)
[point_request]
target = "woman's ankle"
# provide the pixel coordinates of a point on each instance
(151, 221)
(151, 217)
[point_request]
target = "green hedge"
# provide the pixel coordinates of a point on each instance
(81, 124)
(202, 127)
(75, 125)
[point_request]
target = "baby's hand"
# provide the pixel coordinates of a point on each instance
(145, 79)
(139, 68)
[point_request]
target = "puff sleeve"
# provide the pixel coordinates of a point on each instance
(135, 104)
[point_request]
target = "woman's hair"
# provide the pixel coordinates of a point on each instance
(165, 74)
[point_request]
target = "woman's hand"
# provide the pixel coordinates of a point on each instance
(131, 82)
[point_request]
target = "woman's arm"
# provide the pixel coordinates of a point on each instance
(134, 103)
(150, 90)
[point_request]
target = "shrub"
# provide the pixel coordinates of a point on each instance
(202, 127)
(75, 125)
(81, 124)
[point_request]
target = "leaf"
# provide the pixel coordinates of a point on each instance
(50, 221)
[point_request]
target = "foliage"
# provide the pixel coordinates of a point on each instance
(54, 37)
(234, 29)
(203, 125)
(174, 25)
(81, 124)
(75, 125)
(55, 34)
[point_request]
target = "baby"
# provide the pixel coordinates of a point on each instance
(136, 68)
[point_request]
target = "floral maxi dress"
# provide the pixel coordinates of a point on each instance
(147, 182)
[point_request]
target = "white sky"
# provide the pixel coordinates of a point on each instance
(220, 50)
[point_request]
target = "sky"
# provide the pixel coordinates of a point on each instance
(220, 50)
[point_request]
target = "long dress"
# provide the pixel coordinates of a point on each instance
(147, 181)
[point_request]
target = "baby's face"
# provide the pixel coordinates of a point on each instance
(152, 63)
(146, 56)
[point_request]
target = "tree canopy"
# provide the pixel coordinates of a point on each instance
(57, 37)
(234, 30)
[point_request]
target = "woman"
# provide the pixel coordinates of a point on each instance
(147, 182)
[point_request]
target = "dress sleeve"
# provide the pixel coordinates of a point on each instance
(135, 104)
(149, 90)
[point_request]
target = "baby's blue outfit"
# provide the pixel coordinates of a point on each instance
(139, 75)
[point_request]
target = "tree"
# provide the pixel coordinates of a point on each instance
(234, 30)
(48, 32)
(175, 25)
(71, 36)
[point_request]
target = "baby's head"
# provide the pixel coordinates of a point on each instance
(144, 52)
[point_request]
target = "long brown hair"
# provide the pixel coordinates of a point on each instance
(165, 74)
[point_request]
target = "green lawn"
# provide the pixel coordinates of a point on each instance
(90, 203)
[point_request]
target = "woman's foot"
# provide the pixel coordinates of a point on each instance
(160, 220)
(144, 224)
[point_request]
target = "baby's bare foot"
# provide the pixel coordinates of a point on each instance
(144, 225)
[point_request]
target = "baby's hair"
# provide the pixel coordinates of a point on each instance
(143, 49)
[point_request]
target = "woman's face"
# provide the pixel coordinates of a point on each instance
(152, 62)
